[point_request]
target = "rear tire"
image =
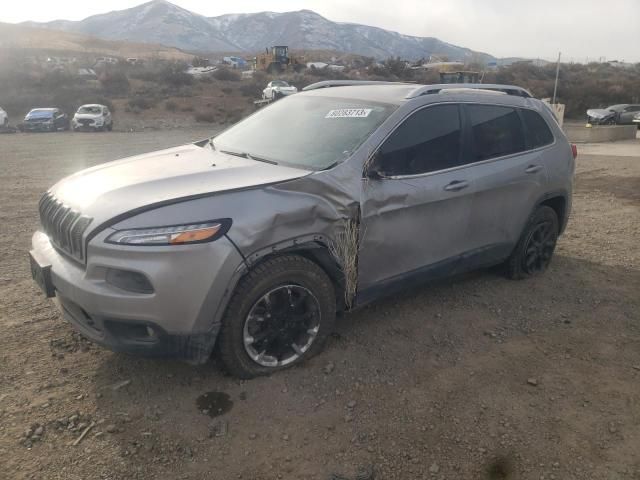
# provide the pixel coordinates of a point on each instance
(260, 337)
(535, 248)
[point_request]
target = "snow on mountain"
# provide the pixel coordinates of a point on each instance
(160, 21)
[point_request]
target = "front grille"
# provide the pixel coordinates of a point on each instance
(85, 122)
(63, 225)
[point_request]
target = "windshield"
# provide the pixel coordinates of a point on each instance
(40, 113)
(91, 110)
(325, 131)
(279, 83)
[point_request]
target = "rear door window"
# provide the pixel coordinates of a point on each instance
(496, 131)
(538, 133)
(429, 140)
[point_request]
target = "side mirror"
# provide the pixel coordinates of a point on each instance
(373, 169)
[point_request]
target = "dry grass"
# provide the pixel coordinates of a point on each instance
(32, 38)
(345, 250)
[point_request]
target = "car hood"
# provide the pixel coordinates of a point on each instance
(285, 89)
(599, 112)
(88, 116)
(112, 189)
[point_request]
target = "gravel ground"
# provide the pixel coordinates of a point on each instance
(476, 377)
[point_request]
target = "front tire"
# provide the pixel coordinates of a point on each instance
(281, 314)
(537, 243)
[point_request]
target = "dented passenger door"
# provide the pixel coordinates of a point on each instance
(416, 202)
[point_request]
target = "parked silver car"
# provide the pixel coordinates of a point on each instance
(253, 240)
(621, 114)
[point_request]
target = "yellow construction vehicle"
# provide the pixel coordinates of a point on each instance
(277, 60)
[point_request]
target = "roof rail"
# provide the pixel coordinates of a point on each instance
(346, 83)
(431, 89)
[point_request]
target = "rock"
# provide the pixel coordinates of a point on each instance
(532, 381)
(285, 437)
(351, 404)
(218, 428)
(434, 468)
(111, 428)
(39, 431)
(365, 473)
(329, 368)
(119, 385)
(253, 436)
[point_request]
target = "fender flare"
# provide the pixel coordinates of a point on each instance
(314, 247)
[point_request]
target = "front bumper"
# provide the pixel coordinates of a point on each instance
(37, 127)
(179, 319)
(86, 126)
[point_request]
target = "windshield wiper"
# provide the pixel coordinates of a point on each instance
(248, 156)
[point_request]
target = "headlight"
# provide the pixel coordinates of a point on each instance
(174, 235)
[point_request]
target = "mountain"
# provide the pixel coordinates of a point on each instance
(160, 21)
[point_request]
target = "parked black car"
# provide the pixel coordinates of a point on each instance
(45, 120)
(621, 114)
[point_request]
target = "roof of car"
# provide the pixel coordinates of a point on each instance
(384, 93)
(398, 93)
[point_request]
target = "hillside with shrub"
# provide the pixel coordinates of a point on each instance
(160, 94)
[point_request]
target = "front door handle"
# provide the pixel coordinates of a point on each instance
(533, 168)
(456, 185)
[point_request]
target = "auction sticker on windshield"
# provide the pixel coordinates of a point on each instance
(349, 113)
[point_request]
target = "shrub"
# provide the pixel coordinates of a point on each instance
(205, 117)
(171, 106)
(226, 90)
(114, 82)
(141, 103)
(174, 74)
(251, 90)
(226, 74)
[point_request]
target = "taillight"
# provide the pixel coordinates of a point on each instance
(574, 150)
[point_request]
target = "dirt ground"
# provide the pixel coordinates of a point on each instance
(477, 377)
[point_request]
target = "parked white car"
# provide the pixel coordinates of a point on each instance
(276, 89)
(4, 118)
(92, 117)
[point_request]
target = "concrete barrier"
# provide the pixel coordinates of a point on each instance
(600, 133)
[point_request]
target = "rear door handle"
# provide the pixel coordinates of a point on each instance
(533, 168)
(456, 185)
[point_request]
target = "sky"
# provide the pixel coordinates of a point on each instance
(583, 30)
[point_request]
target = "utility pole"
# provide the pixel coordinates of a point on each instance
(555, 86)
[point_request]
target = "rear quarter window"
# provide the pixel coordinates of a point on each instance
(497, 131)
(538, 132)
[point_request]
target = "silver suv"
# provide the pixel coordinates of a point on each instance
(252, 241)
